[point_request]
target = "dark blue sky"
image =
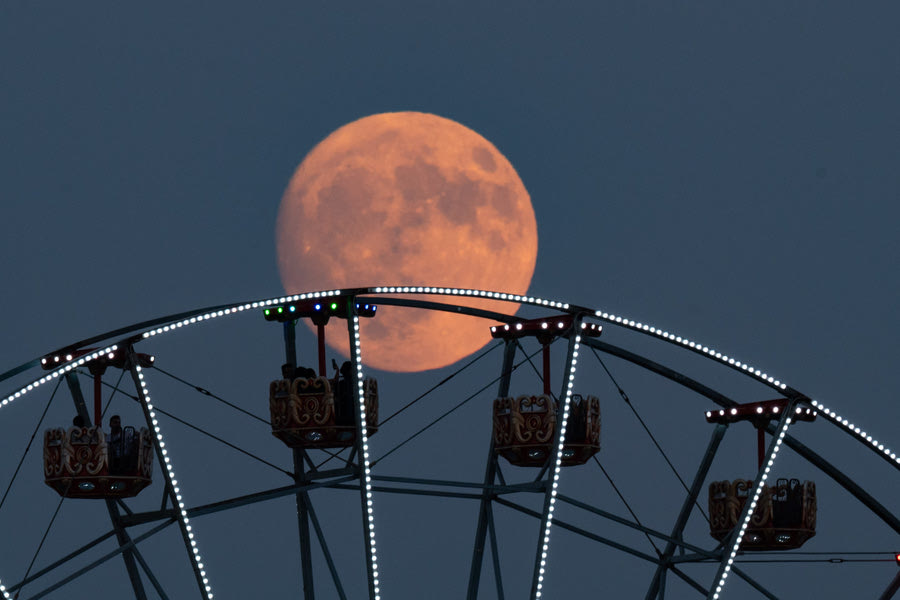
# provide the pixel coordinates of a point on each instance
(727, 173)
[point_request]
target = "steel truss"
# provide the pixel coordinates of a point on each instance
(490, 493)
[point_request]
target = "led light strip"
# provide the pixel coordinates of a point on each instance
(532, 300)
(236, 309)
(856, 432)
(174, 482)
(752, 505)
(61, 371)
(698, 347)
(370, 516)
(556, 469)
(611, 318)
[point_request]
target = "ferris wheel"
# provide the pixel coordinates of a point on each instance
(205, 452)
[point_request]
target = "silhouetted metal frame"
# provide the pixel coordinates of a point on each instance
(360, 414)
(128, 520)
(167, 479)
(128, 555)
(658, 582)
(734, 537)
(485, 518)
(562, 409)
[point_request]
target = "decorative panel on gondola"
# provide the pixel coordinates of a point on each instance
(317, 413)
(85, 462)
(524, 428)
(784, 517)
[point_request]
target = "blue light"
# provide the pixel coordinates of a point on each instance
(318, 307)
(293, 309)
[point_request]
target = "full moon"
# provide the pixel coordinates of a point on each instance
(406, 199)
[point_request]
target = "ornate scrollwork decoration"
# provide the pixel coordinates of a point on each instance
(370, 393)
(312, 401)
(146, 453)
(502, 421)
(809, 505)
(533, 419)
(84, 451)
(53, 444)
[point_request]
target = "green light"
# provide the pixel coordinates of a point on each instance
(334, 306)
(280, 310)
(267, 312)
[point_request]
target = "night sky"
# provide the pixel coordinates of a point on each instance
(729, 174)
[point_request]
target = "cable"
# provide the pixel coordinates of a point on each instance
(28, 447)
(443, 381)
(208, 434)
(625, 502)
(41, 545)
(534, 368)
(206, 392)
(835, 561)
(419, 432)
(647, 429)
(330, 456)
(111, 395)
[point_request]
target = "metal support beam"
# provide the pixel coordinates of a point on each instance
(658, 582)
(153, 580)
(290, 343)
(328, 560)
(362, 451)
(729, 549)
(207, 509)
(163, 462)
(100, 561)
(299, 455)
(562, 411)
(877, 508)
(495, 554)
(61, 561)
(891, 589)
(127, 555)
(490, 472)
(303, 525)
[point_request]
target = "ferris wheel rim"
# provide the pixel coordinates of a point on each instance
(162, 325)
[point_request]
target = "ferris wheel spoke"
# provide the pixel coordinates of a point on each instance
(559, 440)
(686, 508)
(103, 559)
(491, 471)
(579, 531)
(114, 517)
(356, 472)
(169, 475)
(731, 549)
(362, 450)
(335, 577)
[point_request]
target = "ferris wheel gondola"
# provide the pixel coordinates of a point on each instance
(565, 430)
